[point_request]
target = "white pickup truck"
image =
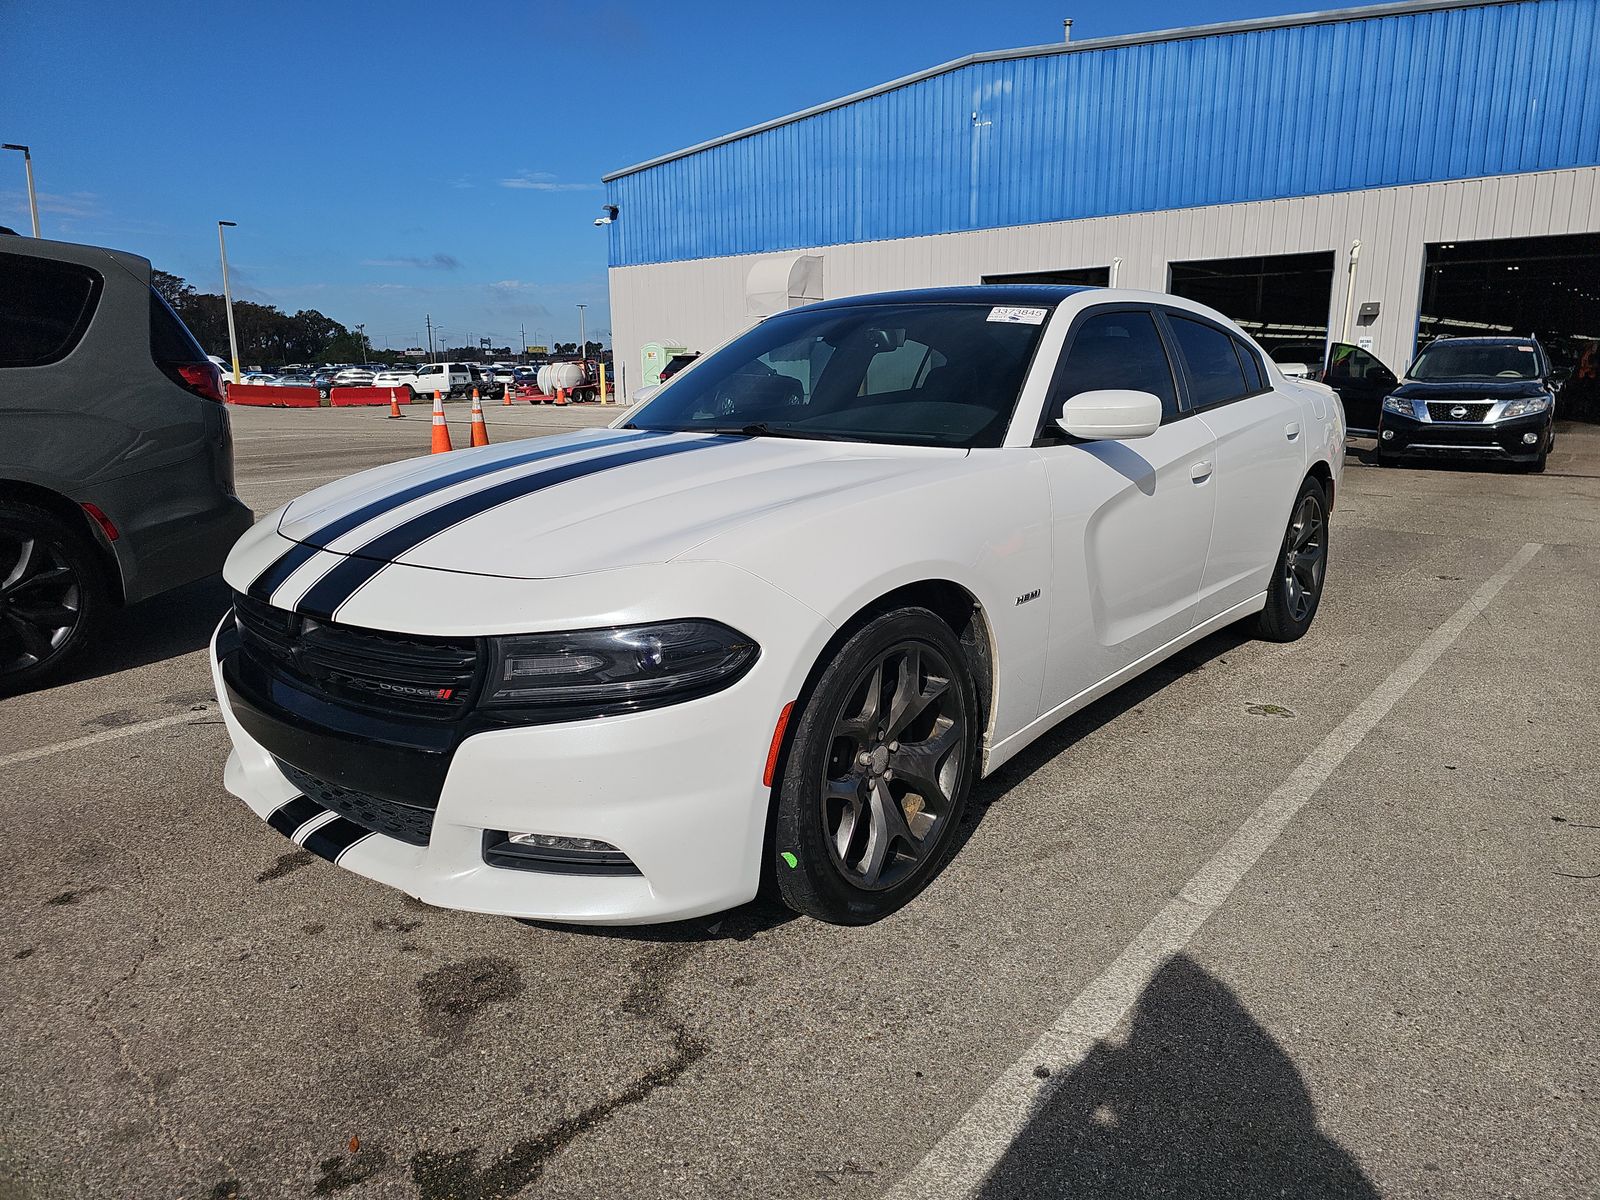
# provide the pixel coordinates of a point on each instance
(453, 379)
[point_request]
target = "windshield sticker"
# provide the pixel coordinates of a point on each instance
(1018, 316)
(1529, 349)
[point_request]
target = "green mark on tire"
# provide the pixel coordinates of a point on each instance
(790, 859)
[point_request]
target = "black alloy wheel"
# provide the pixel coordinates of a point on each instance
(1296, 587)
(878, 772)
(50, 594)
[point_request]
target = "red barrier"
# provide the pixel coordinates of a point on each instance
(342, 397)
(260, 395)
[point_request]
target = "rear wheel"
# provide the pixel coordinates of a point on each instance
(1302, 566)
(881, 762)
(52, 595)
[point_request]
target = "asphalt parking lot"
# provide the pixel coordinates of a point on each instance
(1303, 920)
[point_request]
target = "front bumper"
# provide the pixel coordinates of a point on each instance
(1501, 441)
(677, 789)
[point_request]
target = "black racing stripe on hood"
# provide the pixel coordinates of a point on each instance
(297, 555)
(344, 580)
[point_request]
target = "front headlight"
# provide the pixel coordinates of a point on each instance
(1397, 404)
(1524, 408)
(590, 672)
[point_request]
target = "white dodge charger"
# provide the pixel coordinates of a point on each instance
(774, 625)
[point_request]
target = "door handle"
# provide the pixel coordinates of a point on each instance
(1200, 472)
(1292, 430)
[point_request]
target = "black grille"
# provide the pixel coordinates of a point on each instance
(1441, 411)
(401, 821)
(386, 672)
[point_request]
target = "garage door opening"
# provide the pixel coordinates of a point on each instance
(1280, 299)
(1078, 276)
(1545, 286)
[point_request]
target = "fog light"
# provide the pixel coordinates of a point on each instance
(1387, 435)
(554, 853)
(545, 841)
(1529, 439)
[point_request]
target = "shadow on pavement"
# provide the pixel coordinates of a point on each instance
(178, 622)
(1199, 1103)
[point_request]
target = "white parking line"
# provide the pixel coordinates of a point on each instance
(105, 735)
(963, 1158)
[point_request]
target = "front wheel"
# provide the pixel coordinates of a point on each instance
(52, 594)
(882, 759)
(1300, 570)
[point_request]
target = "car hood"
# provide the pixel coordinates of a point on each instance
(1471, 390)
(590, 501)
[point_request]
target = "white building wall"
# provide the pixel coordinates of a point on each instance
(700, 303)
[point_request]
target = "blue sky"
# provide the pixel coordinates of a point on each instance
(386, 161)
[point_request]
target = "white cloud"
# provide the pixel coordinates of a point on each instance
(430, 262)
(544, 181)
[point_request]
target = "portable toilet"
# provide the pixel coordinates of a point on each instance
(653, 357)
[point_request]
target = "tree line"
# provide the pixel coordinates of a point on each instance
(266, 335)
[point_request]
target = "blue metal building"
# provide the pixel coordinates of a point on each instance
(1278, 138)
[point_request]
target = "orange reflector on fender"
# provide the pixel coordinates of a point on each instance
(777, 744)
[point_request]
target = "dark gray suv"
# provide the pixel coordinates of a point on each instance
(116, 464)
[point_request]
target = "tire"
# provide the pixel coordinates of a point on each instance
(1300, 569)
(854, 836)
(53, 595)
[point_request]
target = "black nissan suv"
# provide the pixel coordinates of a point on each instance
(116, 465)
(1490, 398)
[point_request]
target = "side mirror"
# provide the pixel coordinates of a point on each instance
(644, 393)
(1111, 415)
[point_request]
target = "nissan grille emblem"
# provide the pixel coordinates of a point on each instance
(1458, 412)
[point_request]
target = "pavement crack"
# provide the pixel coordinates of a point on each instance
(146, 1084)
(454, 1175)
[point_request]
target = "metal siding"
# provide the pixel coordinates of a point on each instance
(1298, 111)
(701, 302)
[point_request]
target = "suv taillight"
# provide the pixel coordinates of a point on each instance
(201, 378)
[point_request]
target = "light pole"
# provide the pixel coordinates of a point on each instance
(27, 165)
(583, 337)
(227, 296)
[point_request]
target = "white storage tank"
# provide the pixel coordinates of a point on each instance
(564, 375)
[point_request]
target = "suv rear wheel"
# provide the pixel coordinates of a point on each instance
(52, 594)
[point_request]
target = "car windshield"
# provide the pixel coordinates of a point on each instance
(1476, 360)
(908, 374)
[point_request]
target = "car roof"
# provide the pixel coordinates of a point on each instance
(1028, 294)
(1501, 340)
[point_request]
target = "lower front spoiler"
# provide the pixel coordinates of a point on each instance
(1499, 442)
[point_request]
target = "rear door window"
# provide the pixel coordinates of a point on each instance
(1215, 376)
(45, 308)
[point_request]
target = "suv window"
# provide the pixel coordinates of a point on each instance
(1348, 363)
(1215, 375)
(1115, 350)
(45, 307)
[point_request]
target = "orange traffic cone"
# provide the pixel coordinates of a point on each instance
(561, 396)
(505, 393)
(441, 431)
(394, 406)
(480, 431)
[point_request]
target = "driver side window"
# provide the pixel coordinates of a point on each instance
(1114, 351)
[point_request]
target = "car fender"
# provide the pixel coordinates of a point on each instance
(984, 526)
